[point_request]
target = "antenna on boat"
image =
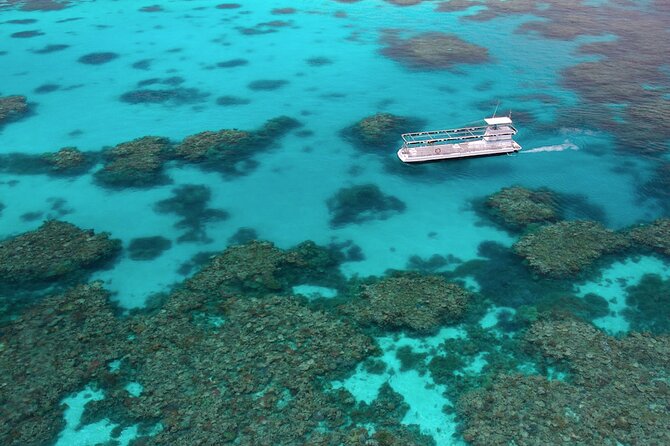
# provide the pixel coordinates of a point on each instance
(496, 110)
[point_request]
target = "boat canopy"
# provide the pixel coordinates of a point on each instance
(498, 121)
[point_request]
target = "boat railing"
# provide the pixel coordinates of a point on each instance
(455, 135)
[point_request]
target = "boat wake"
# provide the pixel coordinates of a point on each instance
(554, 148)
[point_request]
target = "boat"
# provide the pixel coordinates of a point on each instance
(494, 138)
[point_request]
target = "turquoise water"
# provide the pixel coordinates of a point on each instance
(330, 58)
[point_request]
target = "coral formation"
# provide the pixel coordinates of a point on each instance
(54, 251)
(53, 349)
(433, 51)
(137, 163)
(12, 108)
(379, 132)
(260, 267)
(189, 202)
(231, 151)
(568, 247)
(172, 96)
(654, 236)
(414, 302)
(361, 203)
(617, 392)
(98, 58)
(517, 207)
(649, 305)
(68, 161)
(148, 248)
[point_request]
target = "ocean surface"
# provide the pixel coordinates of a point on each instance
(589, 91)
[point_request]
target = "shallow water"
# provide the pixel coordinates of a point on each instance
(327, 66)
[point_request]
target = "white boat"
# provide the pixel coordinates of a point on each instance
(494, 138)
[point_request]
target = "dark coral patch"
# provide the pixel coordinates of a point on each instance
(229, 101)
(318, 61)
(283, 11)
(228, 6)
(97, 58)
(148, 248)
(358, 204)
(232, 63)
(27, 34)
(267, 84)
(47, 88)
(173, 96)
(143, 64)
(433, 51)
(51, 48)
(190, 203)
(21, 21)
(152, 8)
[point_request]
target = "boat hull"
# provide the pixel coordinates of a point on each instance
(443, 152)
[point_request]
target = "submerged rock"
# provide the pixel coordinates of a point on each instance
(358, 204)
(148, 248)
(413, 302)
(55, 250)
(568, 247)
(137, 163)
(617, 392)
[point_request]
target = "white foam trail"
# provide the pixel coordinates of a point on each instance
(554, 148)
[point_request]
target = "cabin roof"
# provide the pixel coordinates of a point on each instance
(496, 121)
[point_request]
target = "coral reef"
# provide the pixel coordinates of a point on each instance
(97, 58)
(379, 132)
(260, 268)
(267, 84)
(433, 51)
(54, 251)
(12, 108)
(568, 247)
(137, 163)
(55, 348)
(617, 392)
(172, 96)
(255, 379)
(517, 207)
(414, 302)
(231, 151)
(148, 248)
(654, 236)
(649, 305)
(189, 202)
(361, 203)
(68, 161)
